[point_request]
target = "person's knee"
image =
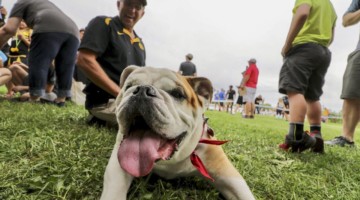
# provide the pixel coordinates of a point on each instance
(5, 72)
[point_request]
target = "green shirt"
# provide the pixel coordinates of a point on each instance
(319, 24)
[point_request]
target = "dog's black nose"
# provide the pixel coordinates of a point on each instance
(145, 90)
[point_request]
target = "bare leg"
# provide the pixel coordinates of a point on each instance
(252, 109)
(5, 76)
(314, 112)
(49, 88)
(298, 107)
(351, 116)
(18, 74)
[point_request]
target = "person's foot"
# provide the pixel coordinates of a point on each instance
(340, 141)
(55, 103)
(306, 142)
(319, 145)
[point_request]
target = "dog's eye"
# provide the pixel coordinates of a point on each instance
(178, 94)
(128, 86)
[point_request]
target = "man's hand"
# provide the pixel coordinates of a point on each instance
(285, 50)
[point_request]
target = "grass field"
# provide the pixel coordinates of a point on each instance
(50, 153)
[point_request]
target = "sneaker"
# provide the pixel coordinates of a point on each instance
(319, 144)
(58, 104)
(306, 142)
(340, 141)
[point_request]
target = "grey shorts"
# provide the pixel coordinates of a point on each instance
(351, 78)
(304, 70)
(250, 95)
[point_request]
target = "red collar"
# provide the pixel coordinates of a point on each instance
(195, 159)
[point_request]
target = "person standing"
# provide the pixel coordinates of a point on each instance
(230, 95)
(55, 36)
(221, 99)
(109, 45)
(306, 60)
(249, 84)
(350, 91)
(188, 68)
(258, 100)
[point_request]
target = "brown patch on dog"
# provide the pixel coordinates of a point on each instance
(216, 161)
(195, 87)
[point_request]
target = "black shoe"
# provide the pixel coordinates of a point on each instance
(58, 104)
(306, 142)
(94, 121)
(340, 141)
(319, 145)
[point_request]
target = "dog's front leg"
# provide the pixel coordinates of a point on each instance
(116, 180)
(233, 188)
(227, 179)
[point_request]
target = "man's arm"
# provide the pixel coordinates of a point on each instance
(180, 71)
(351, 18)
(297, 23)
(9, 30)
(332, 35)
(88, 64)
(244, 80)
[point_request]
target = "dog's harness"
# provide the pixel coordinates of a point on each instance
(195, 159)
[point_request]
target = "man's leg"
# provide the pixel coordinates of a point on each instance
(298, 107)
(314, 112)
(252, 109)
(247, 109)
(64, 67)
(351, 116)
(296, 138)
(5, 76)
(43, 49)
(314, 118)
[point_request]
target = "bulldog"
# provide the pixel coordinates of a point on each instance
(162, 130)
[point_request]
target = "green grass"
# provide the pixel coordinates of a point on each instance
(50, 153)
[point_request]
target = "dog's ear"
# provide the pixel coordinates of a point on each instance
(202, 87)
(125, 73)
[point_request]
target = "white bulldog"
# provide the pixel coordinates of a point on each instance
(162, 130)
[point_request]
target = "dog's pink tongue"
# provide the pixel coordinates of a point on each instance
(137, 154)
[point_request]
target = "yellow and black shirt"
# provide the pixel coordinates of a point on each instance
(115, 51)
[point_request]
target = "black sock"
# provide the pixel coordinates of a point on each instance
(315, 128)
(296, 130)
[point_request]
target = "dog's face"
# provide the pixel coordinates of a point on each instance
(160, 117)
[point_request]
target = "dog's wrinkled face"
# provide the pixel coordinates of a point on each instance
(160, 117)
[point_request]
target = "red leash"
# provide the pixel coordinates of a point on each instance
(195, 159)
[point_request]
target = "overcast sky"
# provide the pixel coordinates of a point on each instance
(222, 36)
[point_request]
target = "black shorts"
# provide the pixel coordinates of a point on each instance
(304, 70)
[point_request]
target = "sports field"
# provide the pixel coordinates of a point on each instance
(50, 153)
